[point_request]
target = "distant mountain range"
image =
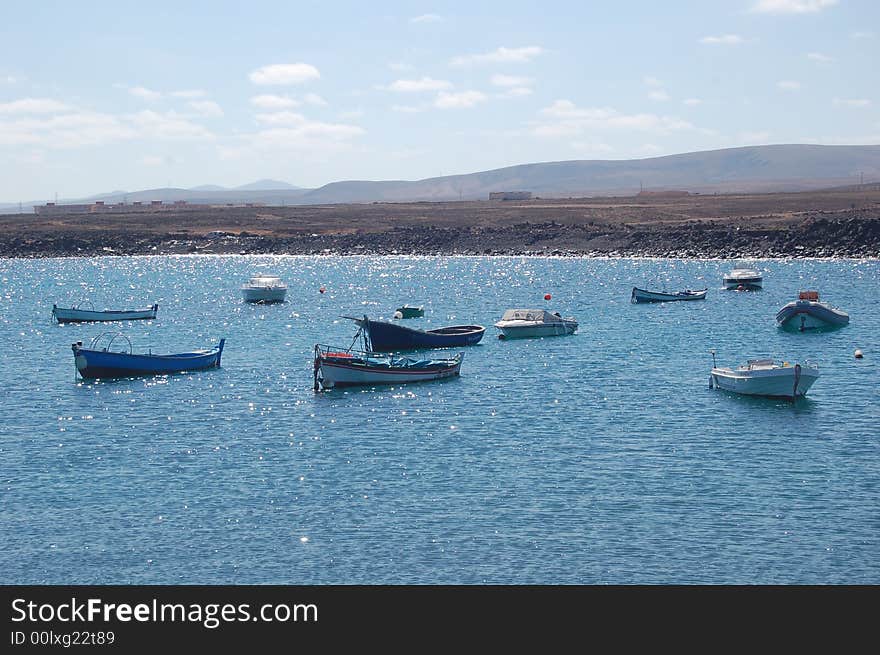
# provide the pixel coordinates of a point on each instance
(752, 169)
(259, 185)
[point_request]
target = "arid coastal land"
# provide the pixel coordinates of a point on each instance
(832, 223)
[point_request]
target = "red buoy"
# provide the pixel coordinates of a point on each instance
(547, 296)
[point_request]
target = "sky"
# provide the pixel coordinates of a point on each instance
(128, 95)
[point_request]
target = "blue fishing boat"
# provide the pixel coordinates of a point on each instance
(382, 336)
(102, 362)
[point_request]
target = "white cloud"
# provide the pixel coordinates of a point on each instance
(659, 95)
(788, 85)
(724, 39)
(511, 80)
(517, 92)
(426, 18)
(586, 148)
(501, 55)
(754, 137)
(76, 129)
(791, 6)
(207, 108)
(564, 118)
(851, 102)
(460, 100)
(167, 125)
(315, 100)
(284, 74)
(406, 109)
(859, 140)
(692, 102)
(862, 35)
(33, 106)
(188, 93)
(652, 81)
(308, 134)
(67, 131)
(281, 118)
(152, 160)
(818, 56)
(274, 102)
(144, 93)
(649, 149)
(351, 114)
(9, 79)
(400, 66)
(424, 84)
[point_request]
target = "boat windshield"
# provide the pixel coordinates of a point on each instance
(265, 281)
(537, 315)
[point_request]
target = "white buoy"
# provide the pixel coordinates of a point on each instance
(858, 354)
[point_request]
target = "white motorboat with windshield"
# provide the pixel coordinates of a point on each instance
(765, 377)
(522, 323)
(264, 289)
(743, 277)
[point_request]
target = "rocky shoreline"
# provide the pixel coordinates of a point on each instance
(570, 229)
(852, 238)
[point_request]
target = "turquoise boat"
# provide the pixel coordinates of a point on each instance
(408, 311)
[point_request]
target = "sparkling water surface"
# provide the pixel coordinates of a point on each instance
(601, 457)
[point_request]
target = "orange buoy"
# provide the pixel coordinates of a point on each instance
(547, 296)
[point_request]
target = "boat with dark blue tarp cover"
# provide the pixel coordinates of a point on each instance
(388, 337)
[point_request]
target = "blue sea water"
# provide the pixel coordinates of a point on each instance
(597, 458)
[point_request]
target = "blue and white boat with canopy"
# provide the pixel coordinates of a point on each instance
(340, 367)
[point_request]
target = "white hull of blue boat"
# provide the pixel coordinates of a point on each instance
(743, 277)
(525, 331)
(264, 295)
(75, 315)
(763, 378)
(753, 282)
(264, 289)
